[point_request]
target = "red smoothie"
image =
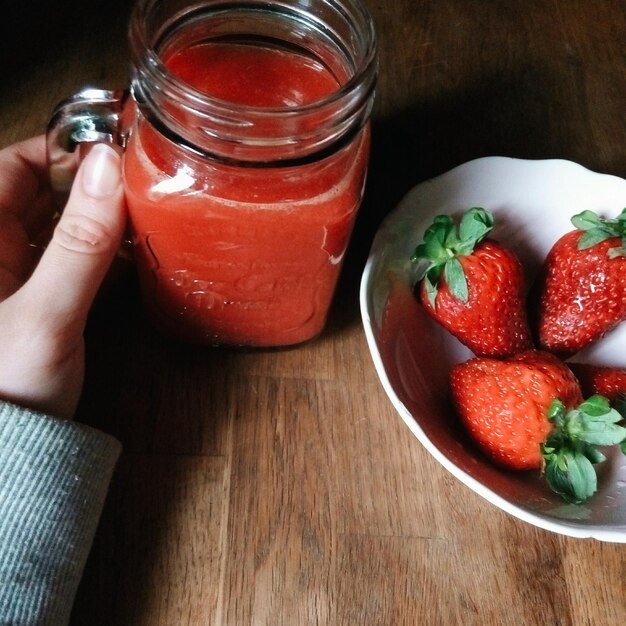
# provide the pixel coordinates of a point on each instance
(239, 255)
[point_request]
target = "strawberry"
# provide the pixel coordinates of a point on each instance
(581, 291)
(609, 382)
(504, 403)
(473, 286)
(526, 412)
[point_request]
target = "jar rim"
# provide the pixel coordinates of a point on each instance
(149, 63)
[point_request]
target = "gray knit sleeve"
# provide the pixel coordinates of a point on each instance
(54, 477)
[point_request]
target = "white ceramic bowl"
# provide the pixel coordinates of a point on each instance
(532, 202)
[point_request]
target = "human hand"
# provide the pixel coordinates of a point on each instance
(44, 301)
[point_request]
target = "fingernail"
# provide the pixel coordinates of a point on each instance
(102, 175)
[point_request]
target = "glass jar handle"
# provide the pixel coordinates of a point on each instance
(91, 115)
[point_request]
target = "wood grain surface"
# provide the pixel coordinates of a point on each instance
(280, 488)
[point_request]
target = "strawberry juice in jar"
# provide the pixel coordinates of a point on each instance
(246, 162)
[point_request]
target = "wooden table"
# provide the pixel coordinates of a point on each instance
(280, 488)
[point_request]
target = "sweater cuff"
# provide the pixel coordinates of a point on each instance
(54, 476)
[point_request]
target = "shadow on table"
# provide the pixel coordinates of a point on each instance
(170, 405)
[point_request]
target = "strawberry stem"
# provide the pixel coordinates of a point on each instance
(597, 229)
(445, 241)
(569, 453)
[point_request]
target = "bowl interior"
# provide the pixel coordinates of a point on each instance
(532, 202)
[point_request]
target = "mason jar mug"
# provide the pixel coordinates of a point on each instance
(246, 140)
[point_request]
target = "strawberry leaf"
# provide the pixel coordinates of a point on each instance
(439, 231)
(443, 243)
(586, 220)
(430, 285)
(570, 474)
(595, 405)
(593, 237)
(569, 452)
(475, 225)
(597, 229)
(455, 279)
(593, 454)
(602, 434)
(556, 411)
(435, 250)
(595, 422)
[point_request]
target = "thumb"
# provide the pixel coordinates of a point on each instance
(83, 245)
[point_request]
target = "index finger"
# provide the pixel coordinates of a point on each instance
(24, 187)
